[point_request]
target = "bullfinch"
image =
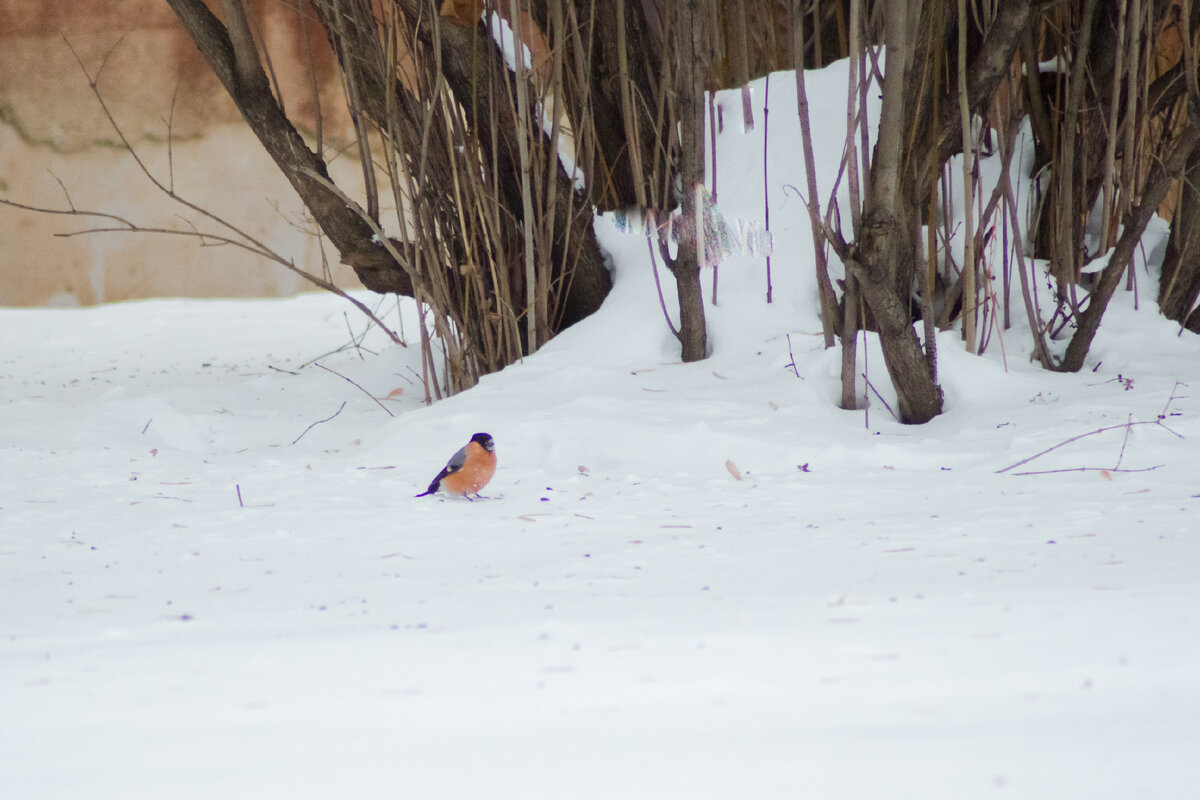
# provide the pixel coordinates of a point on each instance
(468, 470)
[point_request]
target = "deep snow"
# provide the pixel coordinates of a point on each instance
(196, 606)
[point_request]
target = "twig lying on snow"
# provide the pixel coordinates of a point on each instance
(1086, 469)
(1106, 429)
(309, 428)
(1128, 425)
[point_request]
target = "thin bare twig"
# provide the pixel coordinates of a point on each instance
(354, 340)
(315, 424)
(871, 386)
(766, 182)
(207, 240)
(359, 387)
(791, 358)
(1125, 440)
(1085, 469)
(652, 233)
(1126, 425)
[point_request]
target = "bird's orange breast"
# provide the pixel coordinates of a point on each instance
(475, 473)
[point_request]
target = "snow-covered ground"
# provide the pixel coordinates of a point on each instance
(687, 581)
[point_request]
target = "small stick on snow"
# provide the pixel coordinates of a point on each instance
(1124, 441)
(1127, 426)
(318, 422)
(1088, 469)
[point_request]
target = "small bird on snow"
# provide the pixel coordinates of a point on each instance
(468, 470)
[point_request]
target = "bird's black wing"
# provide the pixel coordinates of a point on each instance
(453, 465)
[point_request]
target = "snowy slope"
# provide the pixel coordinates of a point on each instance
(199, 605)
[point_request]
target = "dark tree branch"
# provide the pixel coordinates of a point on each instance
(242, 75)
(244, 49)
(984, 73)
(885, 252)
(1161, 176)
(1167, 88)
(467, 55)
(690, 104)
(596, 98)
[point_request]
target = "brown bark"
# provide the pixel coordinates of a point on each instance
(593, 101)
(1081, 148)
(1179, 287)
(884, 259)
(577, 260)
(988, 66)
(686, 266)
(885, 248)
(825, 293)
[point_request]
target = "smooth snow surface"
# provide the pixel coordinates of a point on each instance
(196, 605)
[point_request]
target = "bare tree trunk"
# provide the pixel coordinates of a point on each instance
(616, 54)
(829, 322)
(1180, 285)
(969, 293)
(989, 64)
(887, 246)
(576, 256)
(1110, 149)
(686, 266)
(1067, 252)
(850, 345)
(531, 293)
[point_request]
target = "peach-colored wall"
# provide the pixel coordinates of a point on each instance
(52, 128)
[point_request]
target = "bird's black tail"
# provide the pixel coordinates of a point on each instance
(437, 482)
